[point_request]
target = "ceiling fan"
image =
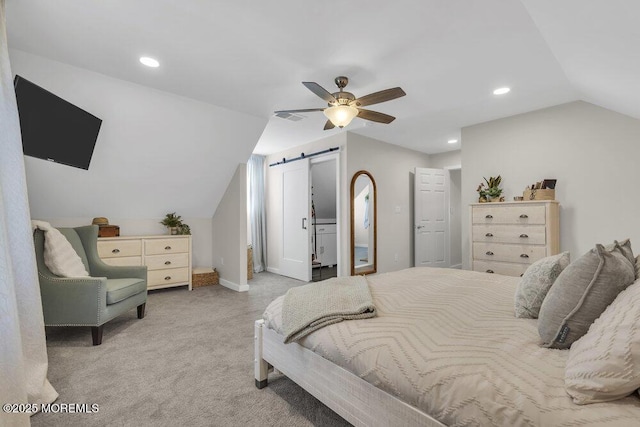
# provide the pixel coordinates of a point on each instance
(344, 106)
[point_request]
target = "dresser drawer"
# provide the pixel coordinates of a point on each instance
(157, 262)
(525, 214)
(166, 246)
(167, 276)
(521, 234)
(119, 248)
(120, 261)
(524, 254)
(505, 268)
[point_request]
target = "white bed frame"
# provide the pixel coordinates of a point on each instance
(351, 397)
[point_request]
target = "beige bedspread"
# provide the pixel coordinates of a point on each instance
(447, 342)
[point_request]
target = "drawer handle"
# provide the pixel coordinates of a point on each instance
(115, 251)
(489, 216)
(167, 248)
(490, 271)
(524, 256)
(524, 216)
(169, 262)
(524, 236)
(521, 274)
(489, 235)
(489, 253)
(167, 278)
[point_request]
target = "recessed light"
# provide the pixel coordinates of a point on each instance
(501, 91)
(452, 141)
(149, 62)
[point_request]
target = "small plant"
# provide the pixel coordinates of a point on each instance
(171, 220)
(492, 189)
(184, 229)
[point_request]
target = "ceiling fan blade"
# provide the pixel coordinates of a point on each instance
(321, 92)
(329, 125)
(375, 116)
(304, 110)
(377, 97)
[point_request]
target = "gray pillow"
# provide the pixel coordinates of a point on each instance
(536, 282)
(625, 248)
(637, 267)
(581, 293)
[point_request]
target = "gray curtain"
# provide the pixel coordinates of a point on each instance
(23, 351)
(257, 216)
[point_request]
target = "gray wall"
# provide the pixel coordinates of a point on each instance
(229, 233)
(592, 152)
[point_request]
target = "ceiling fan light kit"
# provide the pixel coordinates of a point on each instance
(341, 115)
(344, 106)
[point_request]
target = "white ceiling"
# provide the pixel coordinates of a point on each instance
(448, 56)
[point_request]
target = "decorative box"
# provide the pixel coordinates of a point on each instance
(108, 231)
(545, 194)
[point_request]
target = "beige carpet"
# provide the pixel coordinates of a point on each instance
(189, 362)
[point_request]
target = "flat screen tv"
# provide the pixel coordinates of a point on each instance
(54, 129)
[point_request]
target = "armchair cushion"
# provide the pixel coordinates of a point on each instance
(121, 289)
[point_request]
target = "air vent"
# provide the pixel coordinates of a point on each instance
(289, 116)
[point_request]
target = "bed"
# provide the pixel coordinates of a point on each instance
(444, 349)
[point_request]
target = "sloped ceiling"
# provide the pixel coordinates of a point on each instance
(251, 56)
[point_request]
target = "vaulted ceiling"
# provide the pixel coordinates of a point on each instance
(448, 56)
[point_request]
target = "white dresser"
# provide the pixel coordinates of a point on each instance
(507, 237)
(168, 258)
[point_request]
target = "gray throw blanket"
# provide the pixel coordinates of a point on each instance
(310, 307)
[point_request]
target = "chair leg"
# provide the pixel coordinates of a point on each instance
(96, 334)
(141, 310)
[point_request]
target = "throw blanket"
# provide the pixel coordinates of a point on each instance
(59, 255)
(311, 307)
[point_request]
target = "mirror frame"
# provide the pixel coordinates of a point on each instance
(375, 224)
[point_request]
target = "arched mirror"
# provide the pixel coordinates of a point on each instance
(363, 224)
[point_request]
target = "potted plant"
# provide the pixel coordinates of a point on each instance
(492, 191)
(172, 222)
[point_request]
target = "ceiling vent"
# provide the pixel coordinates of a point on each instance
(289, 116)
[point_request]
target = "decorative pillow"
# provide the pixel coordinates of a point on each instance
(536, 282)
(625, 248)
(638, 267)
(581, 293)
(604, 364)
(60, 256)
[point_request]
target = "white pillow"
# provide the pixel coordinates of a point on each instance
(60, 256)
(604, 364)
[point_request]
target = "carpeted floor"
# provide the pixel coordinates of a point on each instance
(189, 362)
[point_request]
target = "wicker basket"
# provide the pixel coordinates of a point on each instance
(204, 277)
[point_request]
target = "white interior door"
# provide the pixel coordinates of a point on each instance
(296, 225)
(431, 203)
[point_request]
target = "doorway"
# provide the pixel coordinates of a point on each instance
(324, 217)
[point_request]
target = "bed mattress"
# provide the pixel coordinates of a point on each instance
(446, 341)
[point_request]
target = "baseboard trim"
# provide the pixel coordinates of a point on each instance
(458, 266)
(273, 270)
(234, 286)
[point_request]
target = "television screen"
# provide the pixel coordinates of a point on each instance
(54, 129)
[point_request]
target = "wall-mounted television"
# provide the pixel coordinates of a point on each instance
(54, 129)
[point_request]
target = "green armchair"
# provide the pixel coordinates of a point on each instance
(89, 301)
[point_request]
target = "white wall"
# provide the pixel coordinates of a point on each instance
(593, 152)
(446, 160)
(229, 233)
(392, 167)
(156, 153)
